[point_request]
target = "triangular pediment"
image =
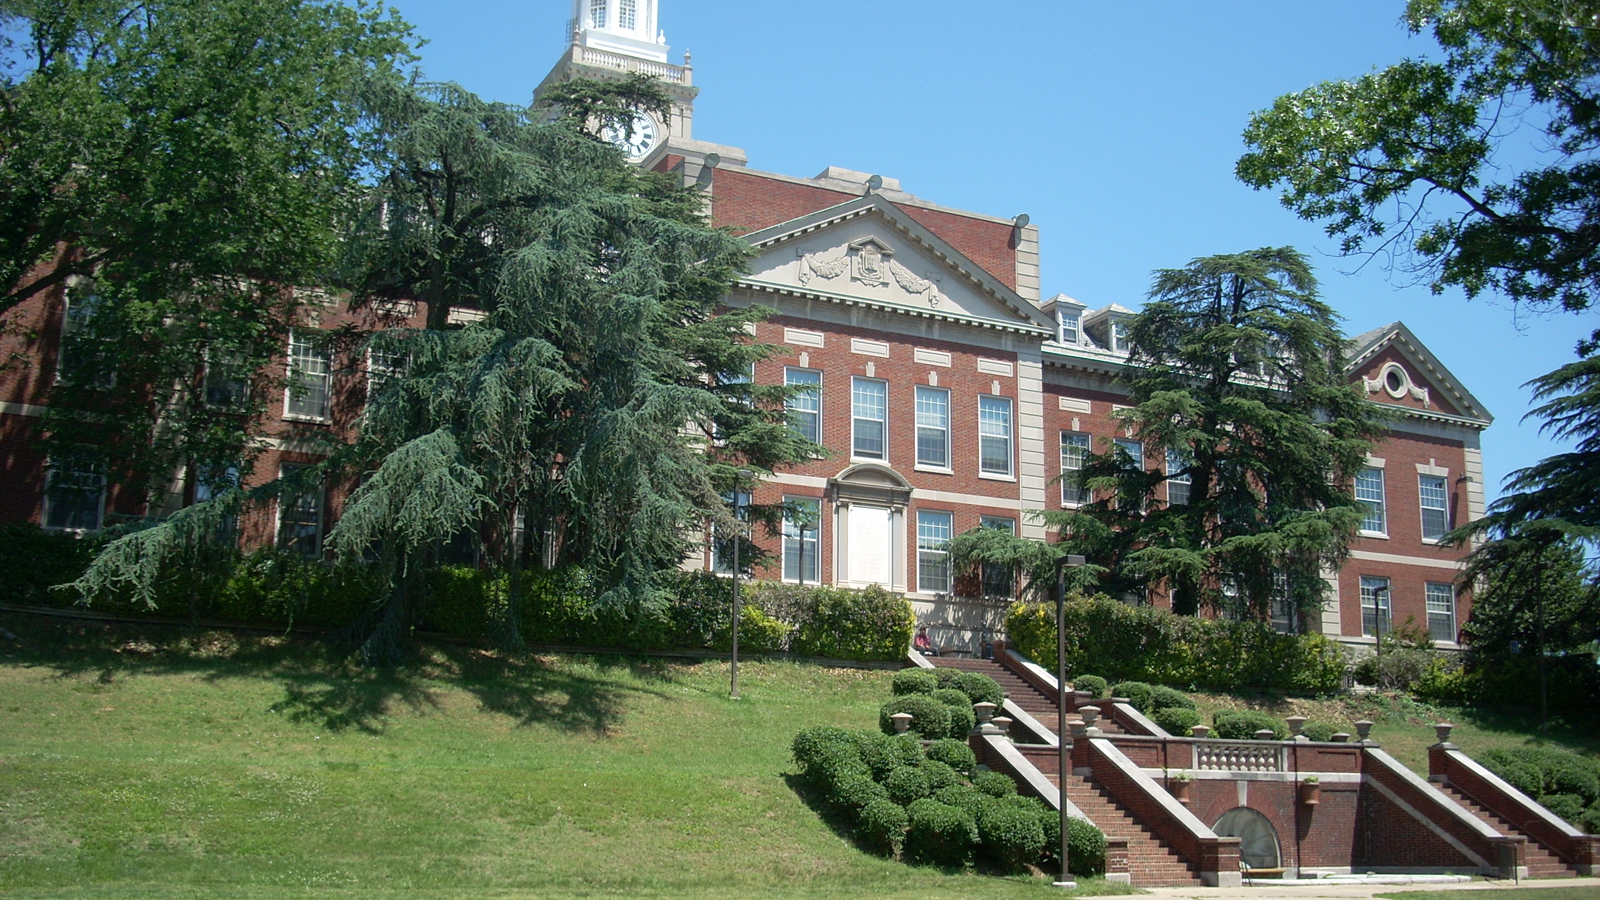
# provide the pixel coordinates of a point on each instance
(1393, 368)
(870, 251)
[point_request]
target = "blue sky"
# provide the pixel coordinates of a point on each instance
(1114, 126)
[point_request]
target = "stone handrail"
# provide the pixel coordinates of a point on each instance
(664, 71)
(1461, 771)
(1217, 858)
(1492, 852)
(1238, 756)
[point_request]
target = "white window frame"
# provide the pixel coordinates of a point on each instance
(812, 399)
(1134, 449)
(1442, 509)
(383, 366)
(1009, 526)
(1370, 587)
(1074, 495)
(75, 316)
(599, 14)
(1176, 461)
(92, 470)
(933, 549)
(1071, 327)
(1117, 335)
(935, 430)
(297, 375)
(627, 14)
(801, 540)
(1375, 508)
(858, 420)
(321, 508)
(1441, 594)
(1008, 437)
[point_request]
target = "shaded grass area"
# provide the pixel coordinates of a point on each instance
(149, 762)
(1404, 727)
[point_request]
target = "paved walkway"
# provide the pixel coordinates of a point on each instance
(1311, 890)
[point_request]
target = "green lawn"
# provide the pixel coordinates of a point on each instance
(158, 764)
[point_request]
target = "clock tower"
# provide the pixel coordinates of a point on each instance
(611, 39)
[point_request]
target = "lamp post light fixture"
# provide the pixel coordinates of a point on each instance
(738, 601)
(1063, 768)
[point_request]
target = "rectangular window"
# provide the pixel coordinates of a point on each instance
(934, 531)
(1375, 605)
(1284, 618)
(1441, 611)
(300, 517)
(78, 358)
(1119, 336)
(933, 427)
(597, 13)
(805, 405)
(1178, 480)
(626, 13)
(75, 495)
(994, 435)
(1435, 507)
(802, 527)
(208, 483)
(383, 367)
(998, 581)
(1369, 492)
(722, 541)
(1070, 324)
(1074, 452)
(1135, 451)
(310, 378)
(869, 401)
(227, 384)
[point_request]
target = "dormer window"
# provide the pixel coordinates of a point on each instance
(1119, 336)
(1071, 327)
(597, 13)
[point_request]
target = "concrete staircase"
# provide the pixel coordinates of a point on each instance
(1541, 861)
(1034, 702)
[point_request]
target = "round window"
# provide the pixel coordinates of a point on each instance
(1395, 380)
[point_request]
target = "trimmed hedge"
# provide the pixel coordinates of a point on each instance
(940, 835)
(914, 681)
(1011, 836)
(1137, 693)
(929, 717)
(1566, 783)
(907, 784)
(1242, 725)
(883, 825)
(1146, 644)
(1319, 731)
(1163, 697)
(1175, 720)
(1094, 684)
(995, 784)
(1086, 846)
(954, 753)
(979, 688)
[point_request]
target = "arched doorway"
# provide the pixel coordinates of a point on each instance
(1258, 840)
(869, 503)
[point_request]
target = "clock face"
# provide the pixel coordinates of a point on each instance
(643, 139)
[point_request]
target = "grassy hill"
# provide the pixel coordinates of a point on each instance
(149, 763)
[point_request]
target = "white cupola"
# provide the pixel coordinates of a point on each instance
(628, 27)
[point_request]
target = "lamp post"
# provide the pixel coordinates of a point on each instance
(738, 604)
(1063, 759)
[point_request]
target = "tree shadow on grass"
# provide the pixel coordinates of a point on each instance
(324, 689)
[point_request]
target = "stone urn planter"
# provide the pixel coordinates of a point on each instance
(1179, 786)
(1310, 792)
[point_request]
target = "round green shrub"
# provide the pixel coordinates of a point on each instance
(1086, 845)
(980, 688)
(809, 744)
(995, 784)
(1589, 823)
(952, 697)
(907, 784)
(946, 677)
(962, 720)
(953, 753)
(1010, 837)
(1163, 697)
(882, 826)
(855, 792)
(939, 775)
(929, 717)
(883, 752)
(963, 796)
(914, 681)
(1137, 692)
(837, 763)
(1175, 720)
(1094, 684)
(1566, 773)
(1242, 724)
(1567, 807)
(1319, 731)
(939, 835)
(1515, 770)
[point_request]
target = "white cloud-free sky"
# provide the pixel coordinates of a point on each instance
(1114, 126)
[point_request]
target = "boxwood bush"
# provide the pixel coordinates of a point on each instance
(979, 688)
(1094, 684)
(1086, 845)
(1242, 725)
(929, 717)
(939, 775)
(1137, 693)
(882, 825)
(907, 784)
(1175, 720)
(1319, 731)
(954, 753)
(1566, 783)
(995, 784)
(1163, 697)
(914, 681)
(883, 752)
(939, 834)
(1011, 836)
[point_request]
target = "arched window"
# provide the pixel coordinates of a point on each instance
(1258, 840)
(597, 13)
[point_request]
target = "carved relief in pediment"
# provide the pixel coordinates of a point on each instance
(869, 262)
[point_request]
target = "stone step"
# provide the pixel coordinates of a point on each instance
(1541, 861)
(1151, 861)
